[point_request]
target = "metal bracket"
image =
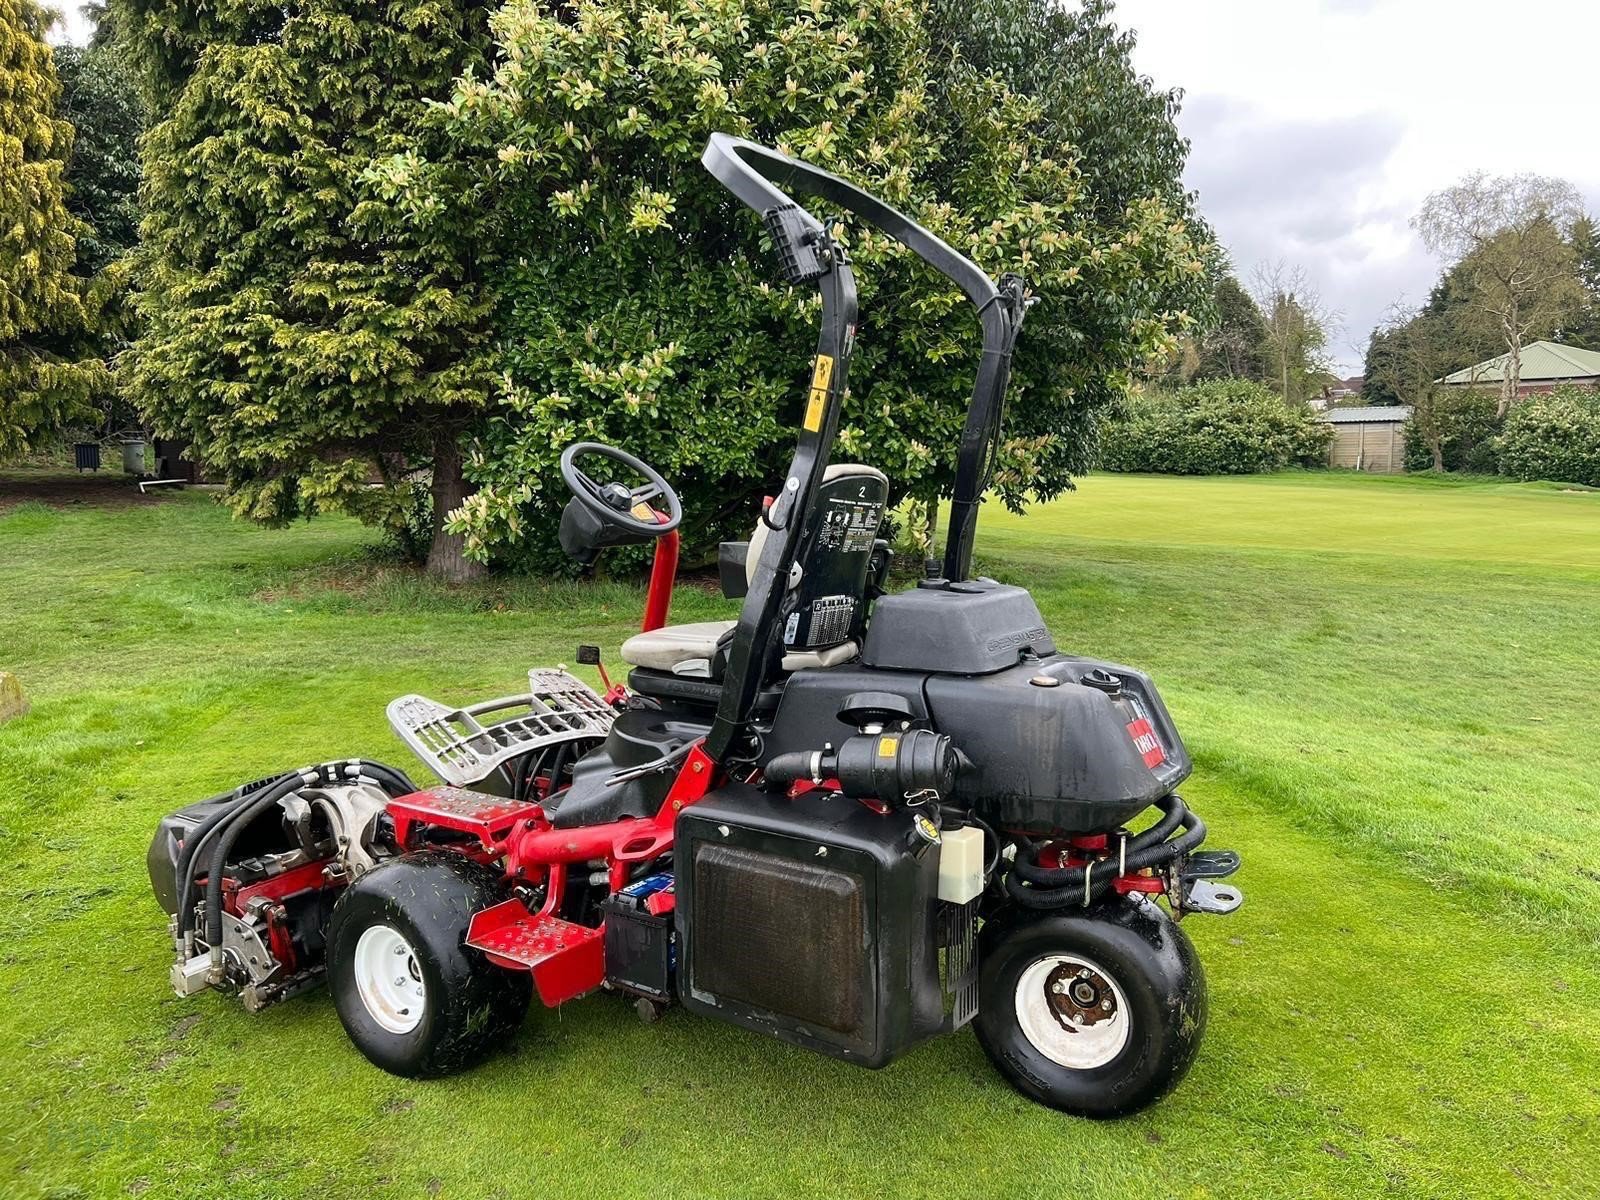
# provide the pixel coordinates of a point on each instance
(1203, 896)
(463, 750)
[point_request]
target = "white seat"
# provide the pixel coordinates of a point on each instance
(688, 649)
(675, 646)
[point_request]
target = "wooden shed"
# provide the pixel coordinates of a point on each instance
(1369, 439)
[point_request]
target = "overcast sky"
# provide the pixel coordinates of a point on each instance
(1319, 125)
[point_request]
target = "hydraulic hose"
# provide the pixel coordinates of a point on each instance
(1173, 813)
(250, 801)
(189, 852)
(1067, 887)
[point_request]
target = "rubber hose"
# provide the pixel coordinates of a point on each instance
(245, 816)
(238, 817)
(1099, 880)
(190, 850)
(1174, 813)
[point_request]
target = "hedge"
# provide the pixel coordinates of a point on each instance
(1220, 427)
(1554, 436)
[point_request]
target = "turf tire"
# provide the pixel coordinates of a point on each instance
(471, 1006)
(1153, 963)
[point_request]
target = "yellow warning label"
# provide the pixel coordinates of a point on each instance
(887, 747)
(818, 403)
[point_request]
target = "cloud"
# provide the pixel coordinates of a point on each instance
(1308, 190)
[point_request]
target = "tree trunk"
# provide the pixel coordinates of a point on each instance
(1436, 448)
(447, 557)
(1511, 377)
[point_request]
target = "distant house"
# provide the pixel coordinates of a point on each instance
(1369, 439)
(1345, 388)
(1545, 365)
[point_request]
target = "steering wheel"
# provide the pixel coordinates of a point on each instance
(613, 503)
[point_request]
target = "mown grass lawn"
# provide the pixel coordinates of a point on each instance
(1390, 690)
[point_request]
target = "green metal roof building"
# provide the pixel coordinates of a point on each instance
(1544, 365)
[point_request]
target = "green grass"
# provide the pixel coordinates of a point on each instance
(1389, 690)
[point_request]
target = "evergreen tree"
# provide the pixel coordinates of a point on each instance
(46, 381)
(1235, 345)
(640, 306)
(100, 99)
(1585, 331)
(304, 342)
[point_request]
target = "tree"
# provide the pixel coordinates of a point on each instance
(639, 306)
(1298, 327)
(306, 343)
(100, 99)
(1508, 234)
(1378, 369)
(1585, 238)
(1418, 348)
(46, 378)
(1236, 345)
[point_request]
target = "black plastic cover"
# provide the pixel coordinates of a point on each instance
(1050, 754)
(732, 569)
(264, 835)
(798, 240)
(638, 949)
(969, 628)
(812, 920)
(638, 737)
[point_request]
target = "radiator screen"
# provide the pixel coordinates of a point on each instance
(782, 935)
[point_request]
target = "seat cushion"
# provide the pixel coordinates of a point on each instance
(667, 648)
(688, 650)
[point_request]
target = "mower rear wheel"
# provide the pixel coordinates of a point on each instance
(1096, 1012)
(414, 998)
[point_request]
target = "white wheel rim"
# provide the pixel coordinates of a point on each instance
(389, 979)
(1073, 1011)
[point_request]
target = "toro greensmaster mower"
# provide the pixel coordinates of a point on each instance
(851, 820)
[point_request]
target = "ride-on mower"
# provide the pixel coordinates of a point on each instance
(851, 820)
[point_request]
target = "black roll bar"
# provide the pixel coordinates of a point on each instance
(760, 178)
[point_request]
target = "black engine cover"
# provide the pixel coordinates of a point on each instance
(1059, 744)
(813, 920)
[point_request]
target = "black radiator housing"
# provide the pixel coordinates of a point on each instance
(812, 920)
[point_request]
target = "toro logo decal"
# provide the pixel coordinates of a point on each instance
(1146, 742)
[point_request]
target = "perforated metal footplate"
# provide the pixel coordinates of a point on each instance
(463, 749)
(490, 817)
(566, 959)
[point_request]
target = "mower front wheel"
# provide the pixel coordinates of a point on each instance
(414, 998)
(1096, 1012)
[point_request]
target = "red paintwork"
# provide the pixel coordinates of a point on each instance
(1098, 846)
(663, 570)
(304, 878)
(564, 963)
(566, 959)
(296, 881)
(490, 817)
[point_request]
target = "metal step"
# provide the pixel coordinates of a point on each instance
(490, 817)
(566, 959)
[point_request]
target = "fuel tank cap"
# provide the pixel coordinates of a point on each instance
(1102, 679)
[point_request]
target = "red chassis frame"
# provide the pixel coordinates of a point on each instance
(566, 959)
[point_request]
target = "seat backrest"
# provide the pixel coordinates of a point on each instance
(826, 599)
